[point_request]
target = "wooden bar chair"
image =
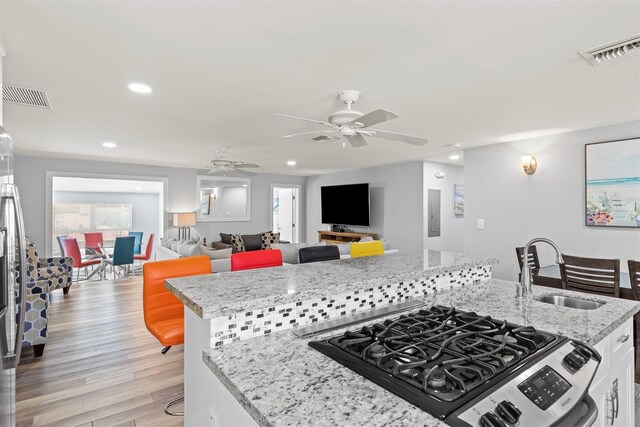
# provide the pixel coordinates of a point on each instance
(634, 276)
(533, 260)
(591, 275)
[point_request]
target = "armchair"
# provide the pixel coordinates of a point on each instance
(43, 275)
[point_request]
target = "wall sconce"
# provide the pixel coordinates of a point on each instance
(184, 221)
(529, 164)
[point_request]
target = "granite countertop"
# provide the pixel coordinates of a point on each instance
(221, 294)
(281, 381)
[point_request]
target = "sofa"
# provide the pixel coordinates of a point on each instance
(247, 242)
(174, 249)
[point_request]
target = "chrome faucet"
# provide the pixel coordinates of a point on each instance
(526, 275)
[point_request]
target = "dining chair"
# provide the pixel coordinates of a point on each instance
(122, 255)
(137, 247)
(634, 278)
(59, 238)
(533, 261)
(71, 249)
(591, 275)
(93, 243)
(318, 253)
(148, 250)
(366, 249)
(256, 259)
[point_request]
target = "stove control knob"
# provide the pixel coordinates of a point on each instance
(508, 411)
(583, 351)
(574, 361)
(491, 420)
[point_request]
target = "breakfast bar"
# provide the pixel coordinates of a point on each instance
(245, 366)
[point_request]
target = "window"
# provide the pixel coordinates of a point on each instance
(75, 219)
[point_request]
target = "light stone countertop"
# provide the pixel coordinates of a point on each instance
(221, 294)
(282, 381)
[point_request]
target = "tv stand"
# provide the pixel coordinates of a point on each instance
(340, 237)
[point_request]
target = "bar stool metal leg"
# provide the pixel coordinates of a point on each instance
(170, 412)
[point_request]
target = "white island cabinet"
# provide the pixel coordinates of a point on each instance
(613, 387)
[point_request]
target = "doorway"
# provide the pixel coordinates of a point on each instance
(285, 211)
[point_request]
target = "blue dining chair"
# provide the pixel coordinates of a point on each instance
(137, 247)
(122, 254)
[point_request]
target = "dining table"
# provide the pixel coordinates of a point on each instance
(551, 277)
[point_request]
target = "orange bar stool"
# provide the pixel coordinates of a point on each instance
(365, 249)
(256, 259)
(163, 312)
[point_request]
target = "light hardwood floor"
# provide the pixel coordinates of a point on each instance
(100, 367)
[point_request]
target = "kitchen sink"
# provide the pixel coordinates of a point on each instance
(571, 302)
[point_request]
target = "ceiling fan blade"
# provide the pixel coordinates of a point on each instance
(374, 117)
(308, 120)
(414, 140)
(324, 138)
(236, 165)
(305, 133)
(356, 141)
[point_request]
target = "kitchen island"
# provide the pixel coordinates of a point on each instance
(277, 379)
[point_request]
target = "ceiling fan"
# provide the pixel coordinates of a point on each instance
(221, 165)
(354, 125)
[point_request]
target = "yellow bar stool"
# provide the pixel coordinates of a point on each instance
(364, 249)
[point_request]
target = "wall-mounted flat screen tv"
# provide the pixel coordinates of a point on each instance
(345, 204)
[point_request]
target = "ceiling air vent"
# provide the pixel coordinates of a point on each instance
(25, 96)
(613, 52)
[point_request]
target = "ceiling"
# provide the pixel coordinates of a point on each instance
(467, 73)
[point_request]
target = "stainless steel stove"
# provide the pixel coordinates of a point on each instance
(468, 369)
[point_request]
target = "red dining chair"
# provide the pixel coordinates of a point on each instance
(93, 243)
(256, 259)
(71, 249)
(148, 250)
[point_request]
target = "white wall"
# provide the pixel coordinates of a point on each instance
(30, 175)
(396, 202)
(451, 226)
(144, 207)
(517, 207)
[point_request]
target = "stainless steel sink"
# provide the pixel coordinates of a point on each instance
(571, 302)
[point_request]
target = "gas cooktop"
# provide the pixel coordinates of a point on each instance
(440, 358)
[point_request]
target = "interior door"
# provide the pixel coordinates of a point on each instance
(286, 214)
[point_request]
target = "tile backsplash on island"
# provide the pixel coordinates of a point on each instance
(263, 321)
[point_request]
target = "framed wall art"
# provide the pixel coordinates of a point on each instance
(612, 183)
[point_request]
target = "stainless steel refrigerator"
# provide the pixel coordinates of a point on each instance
(12, 288)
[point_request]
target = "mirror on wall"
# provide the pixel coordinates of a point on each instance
(223, 199)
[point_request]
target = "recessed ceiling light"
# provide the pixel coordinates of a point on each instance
(138, 188)
(109, 144)
(291, 163)
(139, 88)
(454, 157)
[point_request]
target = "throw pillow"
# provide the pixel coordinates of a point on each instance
(225, 238)
(216, 254)
(367, 239)
(237, 242)
(269, 238)
(174, 245)
(252, 242)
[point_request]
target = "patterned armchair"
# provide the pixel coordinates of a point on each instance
(43, 276)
